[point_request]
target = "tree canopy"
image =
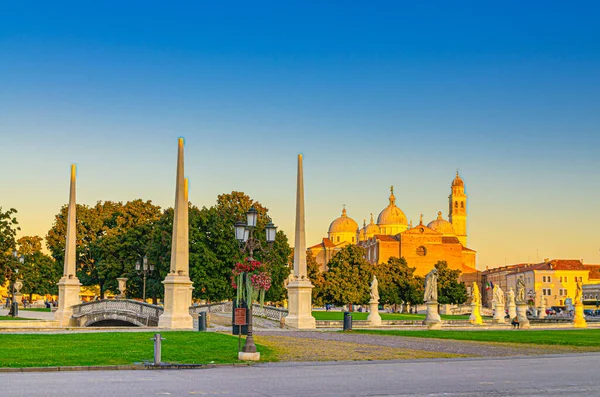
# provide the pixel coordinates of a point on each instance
(8, 232)
(450, 290)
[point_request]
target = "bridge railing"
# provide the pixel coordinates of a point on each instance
(140, 309)
(270, 312)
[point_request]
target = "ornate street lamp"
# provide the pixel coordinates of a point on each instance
(144, 269)
(244, 234)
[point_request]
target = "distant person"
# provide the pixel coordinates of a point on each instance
(515, 322)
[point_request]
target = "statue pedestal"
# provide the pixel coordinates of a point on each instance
(374, 317)
(19, 298)
(68, 296)
(432, 319)
(178, 298)
(300, 305)
(512, 310)
(499, 314)
(522, 315)
(579, 317)
(475, 318)
(542, 312)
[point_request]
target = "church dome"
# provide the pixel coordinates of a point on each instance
(458, 181)
(442, 226)
(343, 224)
(391, 215)
(371, 228)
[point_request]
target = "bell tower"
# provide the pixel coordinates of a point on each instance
(458, 209)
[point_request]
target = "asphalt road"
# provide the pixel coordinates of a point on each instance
(560, 375)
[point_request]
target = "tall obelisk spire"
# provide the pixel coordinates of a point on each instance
(300, 237)
(68, 285)
(300, 288)
(178, 287)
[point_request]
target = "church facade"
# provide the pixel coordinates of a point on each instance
(392, 236)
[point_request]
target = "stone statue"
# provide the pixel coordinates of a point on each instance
(511, 297)
(578, 293)
(431, 294)
(498, 295)
(374, 290)
(521, 289)
(476, 295)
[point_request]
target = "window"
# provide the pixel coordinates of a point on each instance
(547, 291)
(560, 302)
(462, 204)
(560, 279)
(562, 292)
(566, 279)
(456, 204)
(352, 239)
(546, 279)
(338, 239)
(421, 251)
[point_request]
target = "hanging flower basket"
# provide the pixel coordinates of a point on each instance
(251, 280)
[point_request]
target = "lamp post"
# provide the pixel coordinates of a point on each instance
(244, 234)
(14, 308)
(144, 269)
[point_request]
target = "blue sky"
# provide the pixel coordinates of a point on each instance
(373, 95)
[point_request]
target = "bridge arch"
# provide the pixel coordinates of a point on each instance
(123, 312)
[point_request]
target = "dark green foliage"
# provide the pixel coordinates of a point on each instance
(450, 290)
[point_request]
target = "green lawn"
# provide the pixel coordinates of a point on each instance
(38, 309)
(119, 348)
(9, 318)
(583, 337)
(334, 315)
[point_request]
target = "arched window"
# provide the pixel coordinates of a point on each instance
(352, 239)
(456, 204)
(338, 240)
(421, 251)
(462, 204)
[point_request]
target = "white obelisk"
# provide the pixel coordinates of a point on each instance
(300, 288)
(178, 287)
(69, 285)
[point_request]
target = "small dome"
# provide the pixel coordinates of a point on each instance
(458, 181)
(442, 226)
(391, 215)
(371, 228)
(343, 224)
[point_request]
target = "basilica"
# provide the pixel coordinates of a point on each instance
(392, 236)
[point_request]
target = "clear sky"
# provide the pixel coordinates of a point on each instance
(372, 93)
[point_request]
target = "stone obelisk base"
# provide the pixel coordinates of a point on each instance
(68, 296)
(499, 315)
(374, 317)
(432, 319)
(579, 318)
(522, 315)
(178, 298)
(475, 318)
(300, 305)
(512, 310)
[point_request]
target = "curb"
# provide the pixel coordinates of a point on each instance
(133, 367)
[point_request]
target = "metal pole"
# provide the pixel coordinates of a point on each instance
(144, 293)
(157, 349)
(250, 347)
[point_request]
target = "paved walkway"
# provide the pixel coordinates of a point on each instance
(480, 349)
(48, 316)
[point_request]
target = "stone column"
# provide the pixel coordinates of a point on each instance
(300, 288)
(475, 317)
(522, 315)
(178, 286)
(579, 317)
(499, 313)
(432, 319)
(69, 285)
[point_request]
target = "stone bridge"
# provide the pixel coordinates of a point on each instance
(125, 312)
(108, 312)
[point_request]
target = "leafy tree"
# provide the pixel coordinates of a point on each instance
(317, 278)
(8, 232)
(29, 244)
(397, 283)
(348, 278)
(450, 290)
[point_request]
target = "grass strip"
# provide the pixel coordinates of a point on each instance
(574, 337)
(9, 318)
(335, 315)
(119, 348)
